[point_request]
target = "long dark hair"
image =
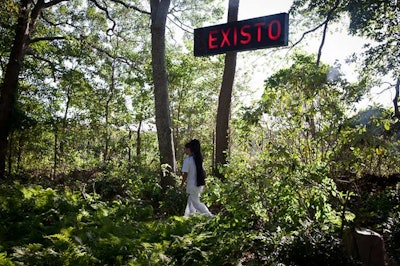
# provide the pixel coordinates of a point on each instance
(194, 145)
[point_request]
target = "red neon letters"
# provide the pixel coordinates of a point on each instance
(231, 36)
(269, 31)
(271, 36)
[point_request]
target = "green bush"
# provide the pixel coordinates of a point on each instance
(269, 212)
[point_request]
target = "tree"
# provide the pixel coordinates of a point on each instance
(81, 38)
(288, 104)
(27, 18)
(159, 12)
(380, 21)
(225, 98)
(60, 38)
(377, 20)
(328, 12)
(193, 99)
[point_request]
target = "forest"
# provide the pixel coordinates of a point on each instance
(99, 97)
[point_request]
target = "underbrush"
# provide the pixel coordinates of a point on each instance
(276, 219)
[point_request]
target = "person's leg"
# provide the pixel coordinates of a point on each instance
(187, 209)
(190, 209)
(198, 205)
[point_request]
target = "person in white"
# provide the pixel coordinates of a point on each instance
(194, 175)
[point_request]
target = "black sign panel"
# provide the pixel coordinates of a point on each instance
(251, 34)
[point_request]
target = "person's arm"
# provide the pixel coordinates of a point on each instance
(184, 178)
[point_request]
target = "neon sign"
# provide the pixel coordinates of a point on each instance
(251, 34)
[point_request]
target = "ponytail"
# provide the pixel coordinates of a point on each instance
(198, 159)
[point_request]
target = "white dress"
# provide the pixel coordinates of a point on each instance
(193, 204)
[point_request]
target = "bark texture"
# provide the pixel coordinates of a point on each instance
(9, 88)
(159, 12)
(224, 101)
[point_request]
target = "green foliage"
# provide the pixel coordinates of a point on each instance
(84, 198)
(314, 247)
(374, 19)
(293, 149)
(53, 227)
(271, 209)
(367, 145)
(8, 18)
(4, 260)
(278, 194)
(193, 98)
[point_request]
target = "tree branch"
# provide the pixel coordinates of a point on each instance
(389, 86)
(131, 7)
(53, 3)
(40, 39)
(328, 18)
(308, 32)
(319, 26)
(322, 42)
(56, 24)
(107, 53)
(105, 10)
(50, 63)
(181, 24)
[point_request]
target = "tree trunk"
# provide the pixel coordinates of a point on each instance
(10, 152)
(396, 99)
(224, 102)
(129, 146)
(64, 120)
(107, 114)
(9, 87)
(19, 155)
(138, 139)
(55, 161)
(159, 11)
(29, 12)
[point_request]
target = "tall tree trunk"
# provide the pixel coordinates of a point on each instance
(159, 11)
(129, 146)
(19, 155)
(64, 120)
(55, 161)
(9, 87)
(225, 96)
(138, 139)
(396, 99)
(311, 121)
(29, 12)
(10, 152)
(328, 19)
(107, 114)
